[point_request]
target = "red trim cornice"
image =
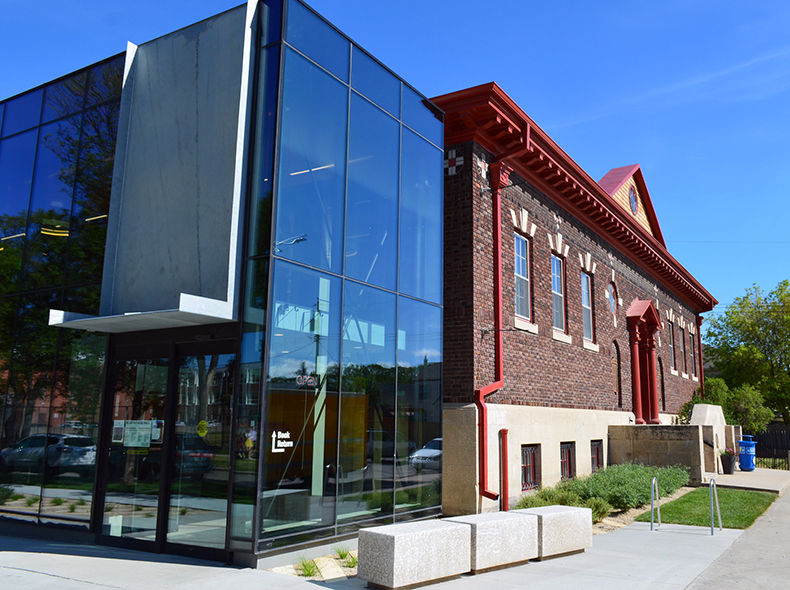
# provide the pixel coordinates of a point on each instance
(488, 116)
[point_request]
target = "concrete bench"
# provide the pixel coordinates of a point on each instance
(500, 539)
(561, 529)
(412, 553)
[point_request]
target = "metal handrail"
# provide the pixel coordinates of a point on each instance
(714, 491)
(655, 499)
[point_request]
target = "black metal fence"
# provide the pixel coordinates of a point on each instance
(773, 447)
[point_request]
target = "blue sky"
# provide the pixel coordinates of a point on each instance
(697, 92)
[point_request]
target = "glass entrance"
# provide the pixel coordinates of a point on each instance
(169, 450)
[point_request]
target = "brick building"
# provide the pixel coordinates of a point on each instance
(564, 303)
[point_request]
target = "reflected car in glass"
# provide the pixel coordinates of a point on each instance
(382, 446)
(53, 454)
(193, 458)
(429, 457)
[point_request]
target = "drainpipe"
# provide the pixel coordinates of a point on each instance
(499, 178)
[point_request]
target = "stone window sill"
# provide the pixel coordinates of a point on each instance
(561, 336)
(522, 324)
(685, 375)
(590, 346)
(674, 372)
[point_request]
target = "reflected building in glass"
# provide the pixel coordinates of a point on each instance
(222, 291)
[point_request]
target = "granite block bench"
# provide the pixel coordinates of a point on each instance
(413, 553)
(561, 529)
(500, 539)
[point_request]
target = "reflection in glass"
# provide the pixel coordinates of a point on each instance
(263, 171)
(74, 426)
(270, 15)
(64, 98)
(16, 171)
(131, 502)
(50, 204)
(372, 219)
(420, 402)
(92, 187)
(22, 112)
(421, 219)
(312, 166)
(203, 438)
(104, 82)
(317, 40)
(375, 82)
(372, 456)
(29, 367)
(300, 438)
(421, 118)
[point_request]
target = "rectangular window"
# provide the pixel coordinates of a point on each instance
(587, 312)
(596, 455)
(568, 460)
(558, 292)
(530, 467)
(683, 342)
(693, 356)
(521, 272)
(671, 340)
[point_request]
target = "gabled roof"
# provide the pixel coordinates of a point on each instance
(616, 178)
(486, 115)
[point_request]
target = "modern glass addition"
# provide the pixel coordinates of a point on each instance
(57, 146)
(521, 272)
(320, 411)
(558, 292)
(343, 307)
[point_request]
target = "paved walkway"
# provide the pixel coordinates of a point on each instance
(673, 557)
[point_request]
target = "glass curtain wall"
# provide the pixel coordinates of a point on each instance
(344, 285)
(57, 145)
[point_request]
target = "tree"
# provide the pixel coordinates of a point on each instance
(741, 406)
(750, 345)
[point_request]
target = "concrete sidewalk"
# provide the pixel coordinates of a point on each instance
(673, 557)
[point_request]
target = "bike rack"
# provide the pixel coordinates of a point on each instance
(714, 492)
(656, 499)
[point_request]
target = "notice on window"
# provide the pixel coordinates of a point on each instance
(117, 430)
(137, 433)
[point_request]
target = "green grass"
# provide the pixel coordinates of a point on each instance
(739, 508)
(341, 552)
(307, 568)
(57, 501)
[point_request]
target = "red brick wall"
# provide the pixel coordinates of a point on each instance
(539, 370)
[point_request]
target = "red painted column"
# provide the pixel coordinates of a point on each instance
(652, 386)
(636, 384)
(647, 408)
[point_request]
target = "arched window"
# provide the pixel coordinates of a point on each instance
(616, 380)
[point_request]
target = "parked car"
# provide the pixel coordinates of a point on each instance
(381, 443)
(193, 459)
(53, 454)
(428, 457)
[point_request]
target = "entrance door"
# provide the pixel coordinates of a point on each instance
(168, 451)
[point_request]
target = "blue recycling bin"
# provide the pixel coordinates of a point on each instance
(747, 454)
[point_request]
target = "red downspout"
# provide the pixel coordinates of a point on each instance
(499, 175)
(503, 461)
(700, 359)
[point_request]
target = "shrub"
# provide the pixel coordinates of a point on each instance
(5, 493)
(619, 487)
(600, 508)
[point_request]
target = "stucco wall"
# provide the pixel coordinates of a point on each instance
(526, 425)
